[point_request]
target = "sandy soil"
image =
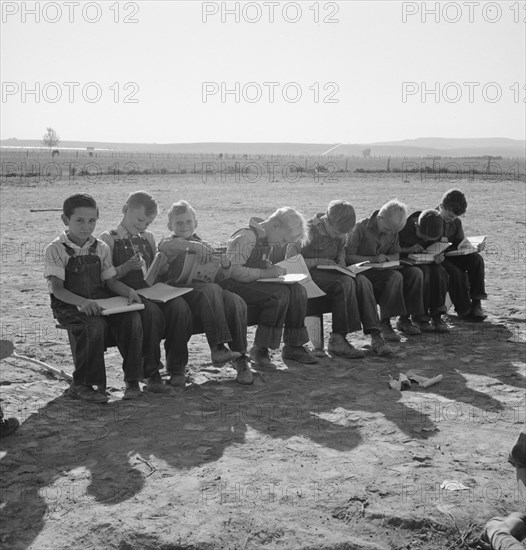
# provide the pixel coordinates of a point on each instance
(322, 456)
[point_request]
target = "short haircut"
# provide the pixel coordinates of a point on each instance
(341, 214)
(177, 208)
(79, 200)
(293, 221)
(141, 198)
(431, 223)
(396, 212)
(455, 201)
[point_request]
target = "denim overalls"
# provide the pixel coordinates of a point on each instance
(82, 278)
(89, 335)
(124, 249)
(260, 255)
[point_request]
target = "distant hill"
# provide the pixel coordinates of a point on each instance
(420, 147)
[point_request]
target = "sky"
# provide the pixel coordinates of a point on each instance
(312, 72)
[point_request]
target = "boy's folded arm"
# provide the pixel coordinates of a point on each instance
(174, 247)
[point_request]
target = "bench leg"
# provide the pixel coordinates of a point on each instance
(314, 325)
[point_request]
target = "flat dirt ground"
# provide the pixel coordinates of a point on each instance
(318, 456)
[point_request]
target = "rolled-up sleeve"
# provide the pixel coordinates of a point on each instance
(107, 269)
(238, 252)
(54, 263)
(108, 239)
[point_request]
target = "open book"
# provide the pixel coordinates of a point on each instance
(381, 265)
(287, 279)
(160, 292)
(468, 246)
(150, 274)
(295, 265)
(117, 304)
(355, 269)
(345, 270)
(195, 271)
(428, 256)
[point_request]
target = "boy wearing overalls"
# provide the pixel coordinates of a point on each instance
(252, 253)
(79, 270)
(132, 247)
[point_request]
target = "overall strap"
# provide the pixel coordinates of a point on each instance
(93, 247)
(69, 250)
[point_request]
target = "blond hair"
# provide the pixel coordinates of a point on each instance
(395, 214)
(291, 220)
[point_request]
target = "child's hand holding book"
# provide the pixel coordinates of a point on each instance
(439, 258)
(133, 297)
(90, 308)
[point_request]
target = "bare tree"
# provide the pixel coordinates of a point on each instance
(366, 153)
(50, 138)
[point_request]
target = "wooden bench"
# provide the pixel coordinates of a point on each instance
(316, 307)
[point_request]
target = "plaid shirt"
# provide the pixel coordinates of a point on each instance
(366, 240)
(322, 245)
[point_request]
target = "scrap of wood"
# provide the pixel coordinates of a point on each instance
(53, 370)
(152, 468)
(45, 209)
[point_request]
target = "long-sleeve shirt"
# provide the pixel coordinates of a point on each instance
(322, 245)
(366, 240)
(453, 232)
